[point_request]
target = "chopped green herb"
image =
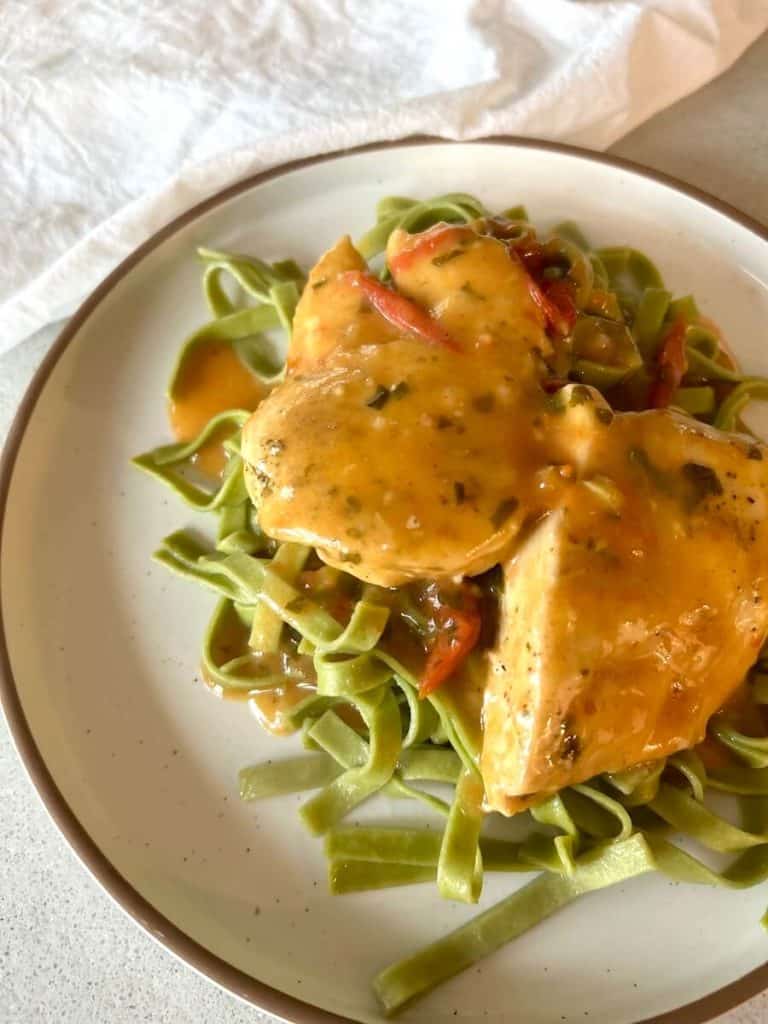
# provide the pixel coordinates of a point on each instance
(459, 491)
(471, 292)
(264, 481)
(703, 482)
(483, 403)
(443, 422)
(755, 453)
(380, 398)
(351, 557)
(604, 414)
(383, 394)
(504, 510)
(319, 284)
(446, 257)
(580, 395)
(639, 457)
(353, 504)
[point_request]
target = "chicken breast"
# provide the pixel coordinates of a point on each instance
(330, 315)
(396, 462)
(634, 610)
(472, 286)
(395, 457)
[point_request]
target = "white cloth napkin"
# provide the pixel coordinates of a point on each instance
(114, 118)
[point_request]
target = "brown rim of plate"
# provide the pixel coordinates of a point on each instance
(144, 914)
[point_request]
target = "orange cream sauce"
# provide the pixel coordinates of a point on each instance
(213, 380)
(272, 707)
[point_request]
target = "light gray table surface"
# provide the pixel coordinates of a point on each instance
(67, 954)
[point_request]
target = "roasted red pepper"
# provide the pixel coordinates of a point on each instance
(554, 298)
(400, 311)
(560, 294)
(458, 630)
(671, 365)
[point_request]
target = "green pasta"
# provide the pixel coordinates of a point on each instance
(747, 391)
(410, 215)
(364, 875)
(267, 624)
(350, 750)
(400, 984)
(651, 313)
(293, 775)
(408, 979)
(164, 464)
(243, 329)
(751, 749)
(460, 864)
(689, 816)
(379, 710)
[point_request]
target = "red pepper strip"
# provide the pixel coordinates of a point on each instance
(459, 630)
(554, 298)
(561, 295)
(553, 384)
(426, 243)
(671, 365)
(400, 311)
(559, 320)
(552, 315)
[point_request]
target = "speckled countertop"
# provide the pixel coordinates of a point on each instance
(67, 954)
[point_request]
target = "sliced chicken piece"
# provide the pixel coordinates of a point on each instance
(410, 459)
(330, 314)
(397, 461)
(634, 610)
(472, 287)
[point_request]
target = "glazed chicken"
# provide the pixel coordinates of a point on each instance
(400, 457)
(634, 609)
(412, 439)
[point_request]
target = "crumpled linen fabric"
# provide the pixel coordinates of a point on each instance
(115, 118)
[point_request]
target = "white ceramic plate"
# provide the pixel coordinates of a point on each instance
(138, 762)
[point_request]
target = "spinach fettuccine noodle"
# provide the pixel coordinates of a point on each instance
(282, 621)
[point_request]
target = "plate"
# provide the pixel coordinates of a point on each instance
(137, 762)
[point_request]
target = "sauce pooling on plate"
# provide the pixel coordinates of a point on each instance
(213, 380)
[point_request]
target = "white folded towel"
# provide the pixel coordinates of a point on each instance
(114, 118)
